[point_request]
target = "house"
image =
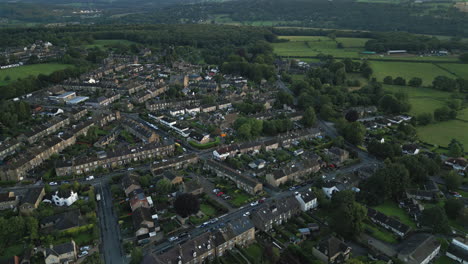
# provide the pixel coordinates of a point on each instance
(410, 149)
(224, 152)
(8, 200)
(257, 164)
(64, 197)
(329, 188)
(138, 199)
(421, 195)
(61, 254)
(193, 187)
(387, 222)
(277, 177)
(332, 250)
(420, 248)
(307, 200)
(61, 222)
(275, 212)
(130, 183)
(172, 177)
(143, 221)
(458, 164)
(458, 250)
(337, 155)
(176, 163)
(199, 138)
(140, 130)
(31, 200)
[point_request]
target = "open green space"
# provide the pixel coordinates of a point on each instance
(444, 260)
(426, 71)
(27, 70)
(208, 210)
(392, 209)
(254, 252)
(460, 70)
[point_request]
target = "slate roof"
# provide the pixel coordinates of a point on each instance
(32, 195)
(63, 221)
(417, 247)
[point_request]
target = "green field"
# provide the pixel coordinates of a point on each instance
(102, 43)
(461, 70)
(442, 133)
(423, 100)
(26, 70)
(298, 46)
(407, 70)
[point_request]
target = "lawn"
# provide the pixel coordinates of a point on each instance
(208, 210)
(27, 70)
(392, 209)
(444, 260)
(426, 71)
(255, 252)
(381, 234)
(239, 199)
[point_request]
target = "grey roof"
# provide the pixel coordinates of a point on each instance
(62, 221)
(32, 195)
(417, 247)
(458, 252)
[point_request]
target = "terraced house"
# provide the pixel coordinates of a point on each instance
(113, 159)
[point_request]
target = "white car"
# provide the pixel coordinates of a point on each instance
(172, 239)
(82, 254)
(53, 183)
(215, 190)
(89, 178)
(254, 203)
(247, 213)
(85, 248)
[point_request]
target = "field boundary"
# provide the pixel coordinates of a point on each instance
(375, 59)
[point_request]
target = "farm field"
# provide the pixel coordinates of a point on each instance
(442, 133)
(426, 71)
(27, 70)
(461, 70)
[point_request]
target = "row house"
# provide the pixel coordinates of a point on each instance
(77, 113)
(8, 200)
(9, 147)
(387, 222)
(17, 169)
(114, 159)
(148, 94)
(45, 129)
(246, 183)
(294, 172)
(176, 163)
(248, 147)
(287, 139)
(132, 87)
(307, 200)
(103, 101)
(140, 130)
(159, 105)
(275, 212)
(239, 232)
(338, 156)
(105, 118)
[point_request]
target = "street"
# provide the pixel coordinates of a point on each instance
(110, 232)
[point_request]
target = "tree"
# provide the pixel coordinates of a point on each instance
(415, 82)
(354, 132)
(390, 104)
(388, 80)
(7, 78)
(455, 149)
(444, 114)
(444, 83)
(137, 256)
(399, 81)
(354, 213)
(163, 186)
(463, 57)
(186, 204)
(453, 208)
(309, 117)
(436, 219)
(424, 119)
(453, 181)
(352, 115)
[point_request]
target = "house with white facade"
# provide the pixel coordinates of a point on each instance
(307, 200)
(63, 198)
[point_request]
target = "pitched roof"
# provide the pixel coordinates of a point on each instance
(332, 246)
(32, 195)
(418, 247)
(63, 221)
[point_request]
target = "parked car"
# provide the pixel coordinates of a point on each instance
(219, 194)
(254, 203)
(53, 183)
(85, 248)
(89, 178)
(216, 190)
(82, 254)
(172, 239)
(246, 213)
(261, 200)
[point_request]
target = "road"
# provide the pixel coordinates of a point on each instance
(110, 232)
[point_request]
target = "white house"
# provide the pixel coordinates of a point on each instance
(329, 189)
(61, 198)
(307, 200)
(458, 250)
